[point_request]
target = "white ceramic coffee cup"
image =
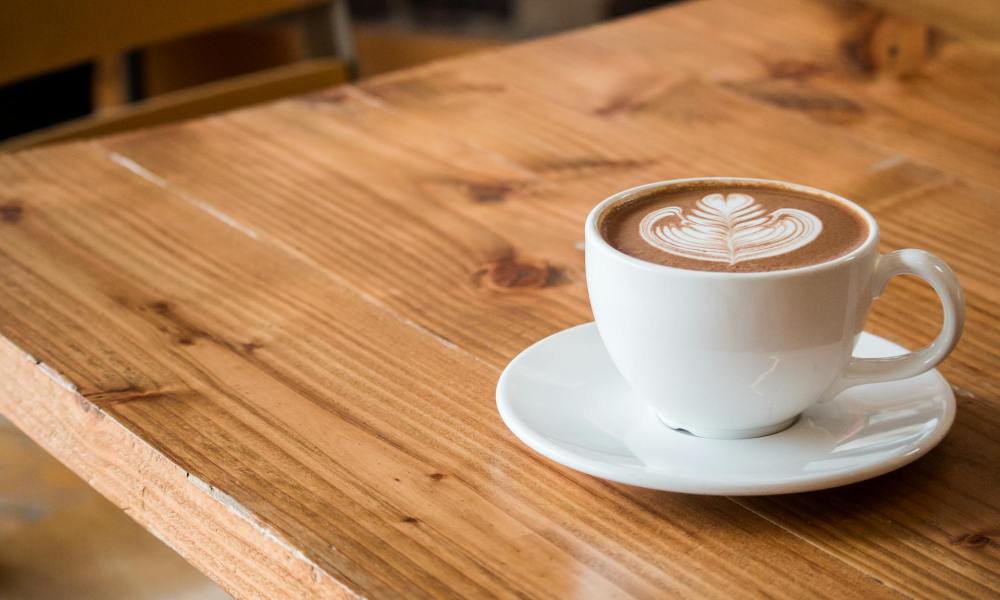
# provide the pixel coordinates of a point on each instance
(736, 355)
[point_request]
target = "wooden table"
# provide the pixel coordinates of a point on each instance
(272, 337)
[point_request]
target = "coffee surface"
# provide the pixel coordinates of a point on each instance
(741, 228)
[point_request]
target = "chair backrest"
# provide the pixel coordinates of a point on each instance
(39, 35)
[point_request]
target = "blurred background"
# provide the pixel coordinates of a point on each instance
(79, 68)
(72, 69)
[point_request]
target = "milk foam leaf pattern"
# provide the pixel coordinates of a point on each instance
(729, 229)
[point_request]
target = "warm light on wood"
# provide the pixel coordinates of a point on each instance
(273, 335)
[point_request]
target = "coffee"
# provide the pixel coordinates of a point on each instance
(710, 226)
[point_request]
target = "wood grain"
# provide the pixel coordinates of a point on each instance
(206, 528)
(304, 307)
(335, 427)
(973, 18)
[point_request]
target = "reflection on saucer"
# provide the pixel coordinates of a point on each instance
(564, 399)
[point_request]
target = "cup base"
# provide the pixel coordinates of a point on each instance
(730, 434)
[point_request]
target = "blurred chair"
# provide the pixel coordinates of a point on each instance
(38, 36)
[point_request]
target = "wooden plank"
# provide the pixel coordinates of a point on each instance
(973, 18)
(311, 302)
(288, 219)
(240, 554)
(799, 58)
(40, 35)
(310, 420)
(942, 114)
(235, 92)
(537, 210)
(482, 190)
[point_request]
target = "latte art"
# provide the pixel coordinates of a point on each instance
(737, 228)
(729, 229)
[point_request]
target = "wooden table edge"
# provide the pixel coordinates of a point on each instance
(246, 557)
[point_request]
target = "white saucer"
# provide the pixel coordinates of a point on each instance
(564, 399)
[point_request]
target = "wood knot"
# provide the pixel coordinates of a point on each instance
(821, 105)
(128, 393)
(972, 540)
(160, 307)
(480, 192)
(436, 476)
(512, 274)
(409, 519)
(11, 212)
(182, 332)
(892, 44)
(251, 347)
(489, 192)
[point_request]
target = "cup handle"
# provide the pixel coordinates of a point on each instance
(934, 271)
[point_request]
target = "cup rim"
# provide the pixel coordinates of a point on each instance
(595, 215)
